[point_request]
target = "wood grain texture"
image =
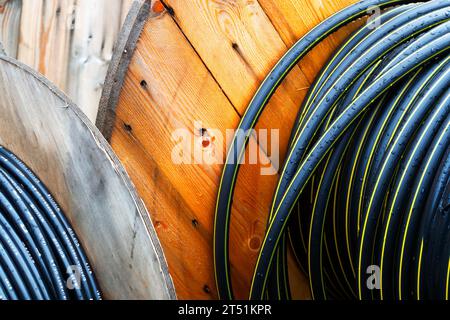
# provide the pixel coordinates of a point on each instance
(10, 15)
(124, 49)
(95, 29)
(46, 36)
(69, 41)
(202, 61)
(167, 87)
(126, 6)
(239, 45)
(57, 141)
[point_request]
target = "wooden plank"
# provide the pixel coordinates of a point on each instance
(10, 13)
(294, 18)
(46, 31)
(71, 43)
(167, 87)
(201, 60)
(126, 6)
(62, 147)
(95, 29)
(2, 50)
(123, 51)
(236, 40)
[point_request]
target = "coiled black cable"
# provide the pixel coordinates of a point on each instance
(248, 121)
(371, 135)
(39, 252)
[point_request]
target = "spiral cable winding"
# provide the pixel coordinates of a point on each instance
(363, 196)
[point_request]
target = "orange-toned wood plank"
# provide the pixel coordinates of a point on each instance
(71, 43)
(294, 18)
(168, 209)
(202, 62)
(239, 45)
(167, 87)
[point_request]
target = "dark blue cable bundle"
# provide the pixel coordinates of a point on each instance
(40, 256)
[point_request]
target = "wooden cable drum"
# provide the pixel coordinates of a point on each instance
(195, 65)
(51, 135)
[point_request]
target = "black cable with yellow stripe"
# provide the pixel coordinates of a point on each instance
(376, 111)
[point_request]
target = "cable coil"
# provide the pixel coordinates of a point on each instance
(40, 256)
(364, 189)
